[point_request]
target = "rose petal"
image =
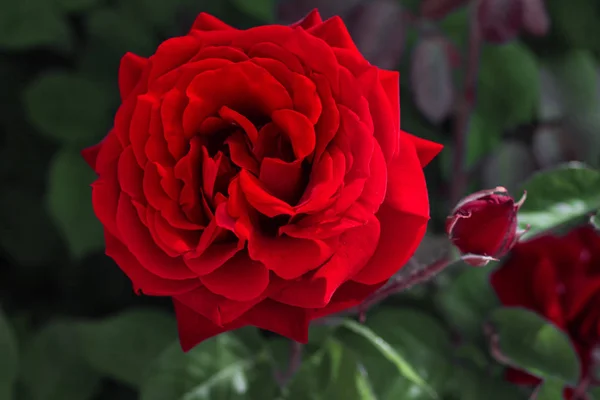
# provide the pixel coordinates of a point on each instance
(193, 328)
(334, 33)
(385, 118)
(240, 278)
(139, 242)
(232, 116)
(400, 236)
(90, 154)
(244, 87)
(287, 321)
(275, 52)
(390, 82)
(206, 22)
(513, 283)
(316, 290)
(312, 18)
(282, 179)
(130, 72)
(426, 150)
(298, 129)
(141, 278)
(258, 197)
(375, 187)
(407, 190)
(240, 154)
(315, 53)
(173, 53)
(349, 295)
(289, 257)
(218, 309)
(326, 178)
(130, 175)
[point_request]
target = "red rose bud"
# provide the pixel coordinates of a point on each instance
(483, 226)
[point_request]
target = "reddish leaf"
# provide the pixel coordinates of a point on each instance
(500, 20)
(438, 9)
(535, 17)
(431, 78)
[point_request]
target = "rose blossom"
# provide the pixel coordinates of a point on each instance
(259, 177)
(559, 278)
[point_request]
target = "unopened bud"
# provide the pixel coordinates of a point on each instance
(483, 225)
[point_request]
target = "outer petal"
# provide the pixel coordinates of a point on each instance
(400, 236)
(313, 18)
(291, 322)
(143, 280)
(194, 328)
(287, 321)
(513, 282)
(426, 150)
(334, 33)
(350, 294)
(206, 22)
(130, 72)
(90, 154)
(407, 189)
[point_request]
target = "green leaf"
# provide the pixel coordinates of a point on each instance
(509, 87)
(550, 389)
(467, 301)
(331, 373)
(10, 358)
(531, 343)
(216, 369)
(559, 195)
(122, 346)
(263, 10)
(29, 24)
(470, 384)
(387, 351)
(69, 201)
(68, 108)
(52, 367)
(422, 341)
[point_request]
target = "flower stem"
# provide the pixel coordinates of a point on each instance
(393, 287)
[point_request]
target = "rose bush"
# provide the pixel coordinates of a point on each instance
(559, 278)
(259, 177)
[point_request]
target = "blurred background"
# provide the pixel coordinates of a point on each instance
(519, 78)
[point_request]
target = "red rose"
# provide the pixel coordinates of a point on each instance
(259, 177)
(559, 278)
(483, 226)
